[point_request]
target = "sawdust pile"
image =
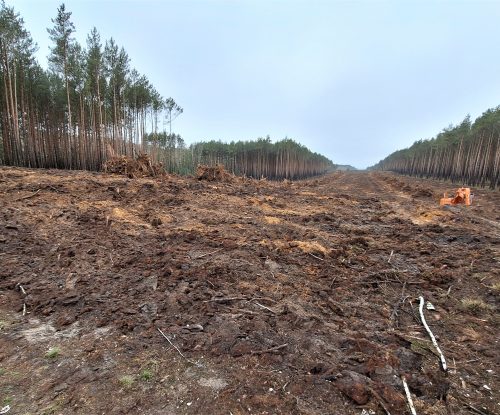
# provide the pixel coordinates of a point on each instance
(142, 166)
(215, 173)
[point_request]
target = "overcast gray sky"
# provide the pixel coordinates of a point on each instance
(353, 80)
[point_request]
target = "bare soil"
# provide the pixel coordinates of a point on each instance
(278, 298)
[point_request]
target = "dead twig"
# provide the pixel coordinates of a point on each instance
(264, 307)
(21, 288)
(173, 345)
(408, 397)
(390, 257)
(27, 197)
(176, 348)
(272, 349)
(434, 342)
(315, 256)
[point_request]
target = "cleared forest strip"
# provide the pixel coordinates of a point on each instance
(292, 297)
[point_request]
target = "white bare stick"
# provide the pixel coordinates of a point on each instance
(390, 257)
(21, 288)
(315, 256)
(173, 345)
(434, 342)
(24, 309)
(176, 348)
(408, 397)
(266, 308)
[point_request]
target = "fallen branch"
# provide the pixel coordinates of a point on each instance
(390, 257)
(27, 197)
(272, 349)
(408, 397)
(434, 342)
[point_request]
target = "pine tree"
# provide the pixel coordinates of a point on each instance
(61, 35)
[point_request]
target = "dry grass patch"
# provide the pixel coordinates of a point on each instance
(126, 381)
(475, 306)
(310, 247)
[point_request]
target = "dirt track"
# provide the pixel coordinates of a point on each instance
(283, 298)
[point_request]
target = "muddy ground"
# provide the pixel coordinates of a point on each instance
(275, 298)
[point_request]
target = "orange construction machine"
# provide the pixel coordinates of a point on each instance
(462, 196)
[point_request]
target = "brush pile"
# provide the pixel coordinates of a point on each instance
(142, 166)
(215, 173)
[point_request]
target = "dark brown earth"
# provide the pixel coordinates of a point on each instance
(283, 298)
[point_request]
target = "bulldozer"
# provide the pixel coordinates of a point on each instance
(462, 196)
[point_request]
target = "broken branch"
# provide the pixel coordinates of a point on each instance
(408, 397)
(434, 342)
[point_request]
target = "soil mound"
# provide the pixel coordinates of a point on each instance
(142, 166)
(422, 192)
(215, 173)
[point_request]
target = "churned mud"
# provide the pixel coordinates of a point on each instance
(275, 298)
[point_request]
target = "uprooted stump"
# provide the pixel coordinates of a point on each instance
(215, 173)
(142, 166)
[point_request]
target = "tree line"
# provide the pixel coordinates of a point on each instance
(284, 159)
(467, 153)
(90, 104)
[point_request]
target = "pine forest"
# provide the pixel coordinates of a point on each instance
(92, 105)
(468, 153)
